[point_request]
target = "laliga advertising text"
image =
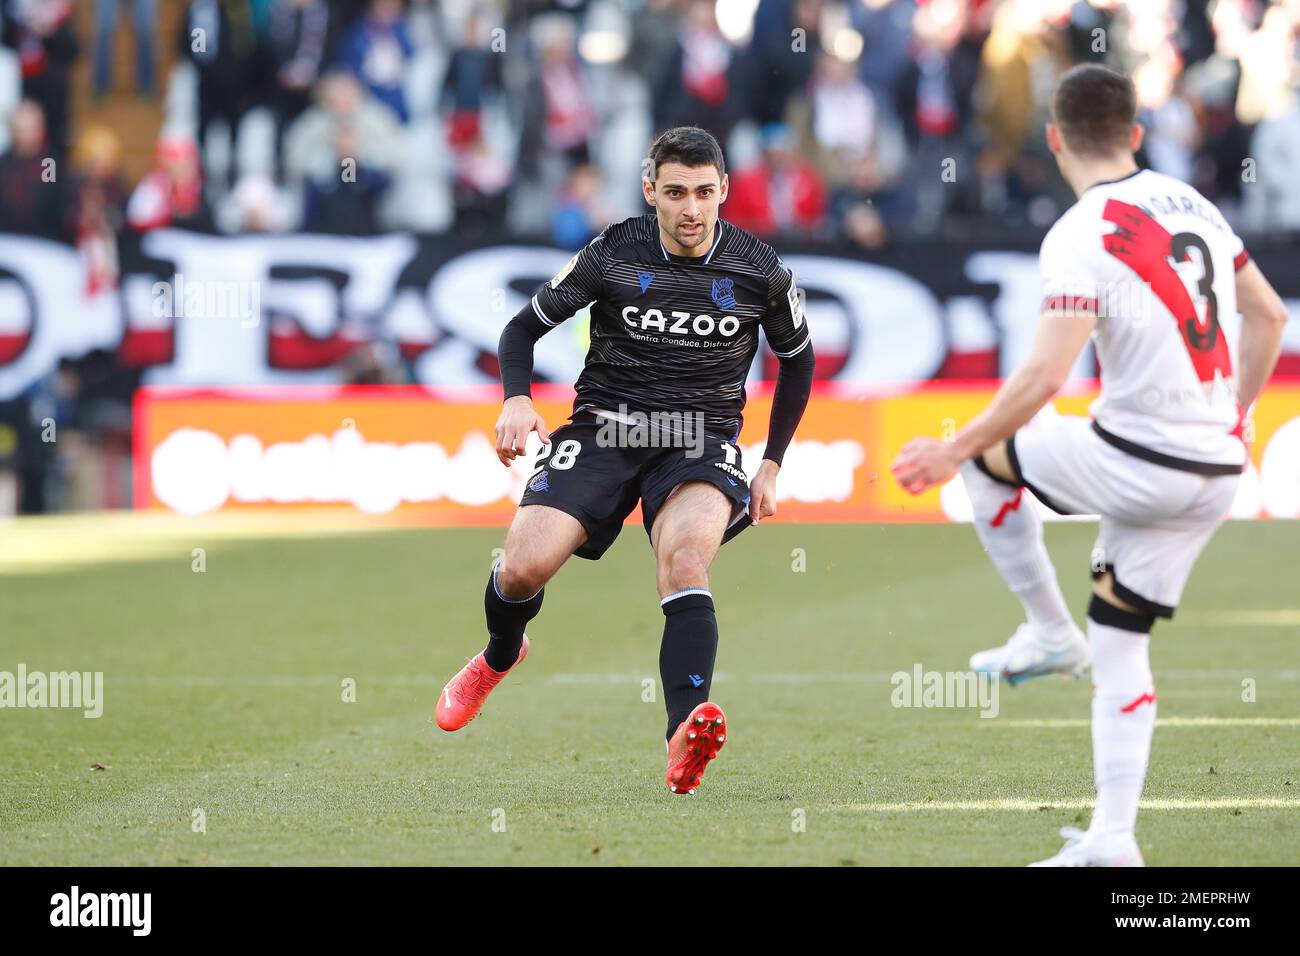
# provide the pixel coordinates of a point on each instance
(76, 908)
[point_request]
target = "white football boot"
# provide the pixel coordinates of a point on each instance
(1088, 848)
(1030, 653)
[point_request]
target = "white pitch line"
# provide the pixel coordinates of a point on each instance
(1252, 803)
(1282, 617)
(877, 677)
(1071, 722)
(610, 678)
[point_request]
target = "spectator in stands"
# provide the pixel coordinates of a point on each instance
(1213, 87)
(33, 198)
(144, 16)
(171, 194)
(366, 365)
(1172, 134)
(886, 30)
(696, 86)
(653, 38)
(559, 117)
(479, 189)
(1018, 63)
(217, 38)
(473, 75)
(868, 210)
(41, 35)
(936, 110)
(580, 211)
(377, 50)
(342, 103)
(835, 117)
(101, 205)
(254, 205)
(299, 33)
(1271, 201)
(782, 195)
(779, 61)
(344, 200)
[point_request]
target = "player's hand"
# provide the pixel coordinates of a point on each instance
(924, 463)
(517, 419)
(1245, 428)
(762, 491)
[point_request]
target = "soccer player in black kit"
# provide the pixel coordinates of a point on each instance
(677, 298)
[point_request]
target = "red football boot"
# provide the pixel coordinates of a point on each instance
(465, 694)
(694, 744)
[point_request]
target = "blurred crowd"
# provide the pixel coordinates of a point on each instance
(855, 123)
(861, 121)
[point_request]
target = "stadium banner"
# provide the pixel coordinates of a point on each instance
(412, 455)
(199, 310)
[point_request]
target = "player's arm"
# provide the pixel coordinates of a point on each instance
(515, 356)
(573, 287)
(1061, 336)
(787, 335)
(1263, 316)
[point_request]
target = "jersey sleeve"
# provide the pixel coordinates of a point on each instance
(575, 286)
(1068, 286)
(783, 320)
(1239, 254)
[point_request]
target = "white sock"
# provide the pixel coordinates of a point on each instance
(1012, 535)
(1123, 720)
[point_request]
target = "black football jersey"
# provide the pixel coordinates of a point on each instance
(674, 333)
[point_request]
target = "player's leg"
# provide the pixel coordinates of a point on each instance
(1123, 722)
(575, 502)
(538, 543)
(1123, 706)
(1145, 568)
(686, 532)
(685, 536)
(1012, 535)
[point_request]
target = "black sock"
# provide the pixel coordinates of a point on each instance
(505, 622)
(687, 653)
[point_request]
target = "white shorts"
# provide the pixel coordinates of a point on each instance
(1155, 520)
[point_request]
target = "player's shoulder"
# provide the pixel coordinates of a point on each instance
(633, 231)
(1069, 230)
(741, 244)
(1086, 218)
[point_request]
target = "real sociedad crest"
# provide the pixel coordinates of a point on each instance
(722, 294)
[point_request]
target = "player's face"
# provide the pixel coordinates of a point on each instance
(686, 200)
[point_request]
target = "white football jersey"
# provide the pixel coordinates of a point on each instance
(1158, 263)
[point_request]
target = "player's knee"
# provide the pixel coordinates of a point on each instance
(995, 462)
(1107, 609)
(684, 567)
(521, 578)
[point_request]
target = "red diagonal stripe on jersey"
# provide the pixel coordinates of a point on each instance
(1147, 698)
(1146, 247)
(1007, 507)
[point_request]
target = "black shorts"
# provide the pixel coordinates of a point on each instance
(600, 482)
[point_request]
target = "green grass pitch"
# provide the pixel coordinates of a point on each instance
(223, 693)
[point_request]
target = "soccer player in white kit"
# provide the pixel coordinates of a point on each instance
(1187, 331)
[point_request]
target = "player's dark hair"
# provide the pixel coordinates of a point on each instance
(688, 145)
(1095, 108)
